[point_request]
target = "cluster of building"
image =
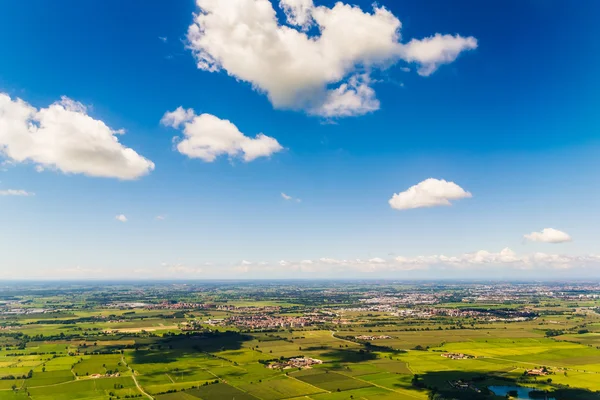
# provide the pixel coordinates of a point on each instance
(189, 326)
(300, 362)
(248, 309)
(367, 337)
(413, 313)
(492, 316)
(8, 327)
(96, 376)
(128, 305)
(457, 356)
(371, 308)
(262, 321)
(215, 321)
(537, 372)
(165, 305)
(523, 292)
(408, 298)
(24, 311)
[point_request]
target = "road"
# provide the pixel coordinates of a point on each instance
(135, 379)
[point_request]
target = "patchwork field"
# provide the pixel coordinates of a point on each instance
(188, 352)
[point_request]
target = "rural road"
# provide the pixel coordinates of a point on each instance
(134, 378)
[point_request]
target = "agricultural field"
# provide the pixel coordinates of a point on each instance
(271, 342)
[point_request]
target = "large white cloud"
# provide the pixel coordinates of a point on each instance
(326, 73)
(429, 193)
(549, 235)
(298, 12)
(206, 137)
(63, 137)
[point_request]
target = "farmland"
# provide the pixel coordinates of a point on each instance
(234, 341)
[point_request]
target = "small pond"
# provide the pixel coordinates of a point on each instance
(522, 392)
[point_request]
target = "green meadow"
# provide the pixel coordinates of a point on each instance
(95, 352)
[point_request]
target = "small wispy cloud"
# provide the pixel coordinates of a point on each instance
(182, 269)
(121, 218)
(13, 192)
(160, 217)
(79, 270)
(290, 198)
(163, 39)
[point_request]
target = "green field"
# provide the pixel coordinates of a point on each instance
(97, 352)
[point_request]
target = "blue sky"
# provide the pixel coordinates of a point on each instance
(512, 120)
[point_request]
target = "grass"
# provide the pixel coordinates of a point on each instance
(377, 372)
(280, 387)
(332, 381)
(220, 391)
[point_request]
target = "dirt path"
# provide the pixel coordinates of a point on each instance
(134, 378)
(343, 340)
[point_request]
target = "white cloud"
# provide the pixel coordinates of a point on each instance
(206, 137)
(14, 192)
(160, 217)
(350, 99)
(482, 257)
(178, 117)
(63, 137)
(549, 235)
(162, 39)
(429, 193)
(505, 263)
(431, 52)
(121, 218)
(479, 260)
(317, 73)
(504, 258)
(290, 198)
(298, 12)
